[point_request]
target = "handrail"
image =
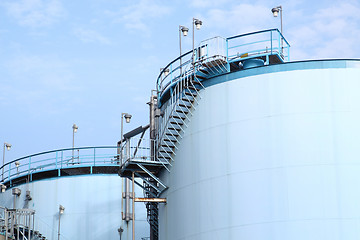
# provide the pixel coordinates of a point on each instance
(166, 81)
(262, 31)
(56, 150)
(59, 159)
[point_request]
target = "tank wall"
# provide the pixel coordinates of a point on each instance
(270, 156)
(92, 207)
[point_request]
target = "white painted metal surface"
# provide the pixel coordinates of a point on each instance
(270, 156)
(92, 207)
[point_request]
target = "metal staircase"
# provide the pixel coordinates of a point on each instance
(185, 96)
(177, 115)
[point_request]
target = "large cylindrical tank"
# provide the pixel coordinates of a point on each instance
(93, 207)
(270, 153)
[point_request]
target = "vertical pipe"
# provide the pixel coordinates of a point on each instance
(282, 44)
(193, 43)
(34, 223)
(73, 144)
(127, 199)
(3, 163)
(180, 51)
(59, 226)
(6, 224)
(152, 109)
(29, 225)
(122, 198)
(121, 140)
(133, 205)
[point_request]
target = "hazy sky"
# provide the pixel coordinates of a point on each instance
(85, 62)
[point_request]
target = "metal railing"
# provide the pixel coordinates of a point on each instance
(59, 159)
(258, 44)
(136, 148)
(17, 223)
(237, 48)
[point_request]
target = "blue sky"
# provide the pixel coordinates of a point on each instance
(85, 62)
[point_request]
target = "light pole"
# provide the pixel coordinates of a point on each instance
(127, 119)
(275, 12)
(8, 147)
(61, 211)
(127, 182)
(185, 31)
(75, 128)
(195, 23)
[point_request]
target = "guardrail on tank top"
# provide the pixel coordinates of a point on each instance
(101, 156)
(60, 159)
(261, 44)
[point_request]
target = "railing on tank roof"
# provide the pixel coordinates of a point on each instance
(59, 159)
(233, 49)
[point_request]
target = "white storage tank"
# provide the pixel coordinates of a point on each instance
(269, 153)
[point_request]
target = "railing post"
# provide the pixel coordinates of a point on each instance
(288, 53)
(279, 42)
(271, 36)
(227, 55)
(56, 160)
(171, 71)
(94, 156)
(29, 164)
(62, 158)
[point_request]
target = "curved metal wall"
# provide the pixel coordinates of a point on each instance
(273, 154)
(92, 207)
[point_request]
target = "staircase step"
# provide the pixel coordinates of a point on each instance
(182, 111)
(185, 106)
(166, 151)
(164, 157)
(194, 88)
(176, 122)
(187, 100)
(172, 134)
(204, 71)
(200, 77)
(190, 93)
(178, 117)
(170, 140)
(174, 127)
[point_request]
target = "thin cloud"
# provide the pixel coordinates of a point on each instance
(136, 16)
(38, 84)
(35, 13)
(330, 32)
(240, 18)
(91, 36)
(207, 3)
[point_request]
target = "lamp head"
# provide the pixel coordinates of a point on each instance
(61, 209)
(127, 117)
(3, 188)
(8, 146)
(75, 127)
(17, 164)
(198, 24)
(275, 11)
(184, 30)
